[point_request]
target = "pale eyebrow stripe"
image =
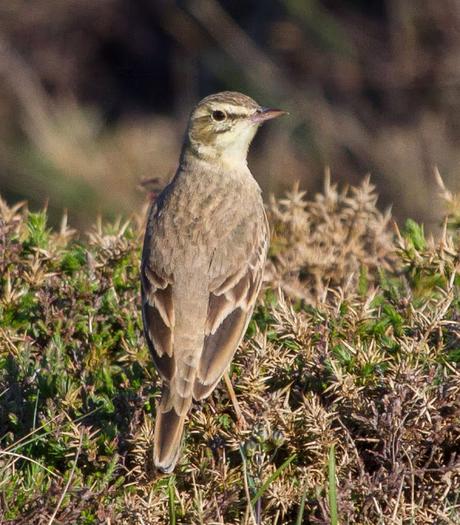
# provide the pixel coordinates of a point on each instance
(232, 114)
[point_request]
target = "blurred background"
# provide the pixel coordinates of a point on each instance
(95, 94)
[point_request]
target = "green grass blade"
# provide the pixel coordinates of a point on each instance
(332, 487)
(35, 410)
(22, 442)
(301, 508)
(272, 478)
(249, 479)
(172, 501)
(26, 458)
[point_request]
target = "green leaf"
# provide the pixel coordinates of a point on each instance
(38, 234)
(415, 234)
(332, 492)
(454, 355)
(272, 478)
(363, 281)
(73, 260)
(172, 501)
(301, 508)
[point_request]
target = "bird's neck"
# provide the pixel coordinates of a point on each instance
(209, 159)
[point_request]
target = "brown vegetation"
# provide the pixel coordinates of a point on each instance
(352, 356)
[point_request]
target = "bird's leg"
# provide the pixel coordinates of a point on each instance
(241, 422)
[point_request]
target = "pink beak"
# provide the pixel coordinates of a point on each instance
(263, 114)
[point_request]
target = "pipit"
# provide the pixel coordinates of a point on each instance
(204, 252)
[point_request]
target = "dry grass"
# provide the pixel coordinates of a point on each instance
(355, 344)
(329, 241)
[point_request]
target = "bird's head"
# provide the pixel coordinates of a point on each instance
(222, 126)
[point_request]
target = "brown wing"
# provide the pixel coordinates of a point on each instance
(231, 304)
(158, 317)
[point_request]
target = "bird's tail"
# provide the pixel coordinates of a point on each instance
(169, 427)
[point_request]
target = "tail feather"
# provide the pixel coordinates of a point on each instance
(169, 427)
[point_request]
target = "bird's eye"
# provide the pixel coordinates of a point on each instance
(218, 115)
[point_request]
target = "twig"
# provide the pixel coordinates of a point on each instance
(234, 400)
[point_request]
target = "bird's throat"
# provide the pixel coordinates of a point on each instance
(212, 159)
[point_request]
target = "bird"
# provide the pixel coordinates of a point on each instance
(205, 246)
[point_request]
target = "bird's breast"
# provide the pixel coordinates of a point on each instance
(206, 217)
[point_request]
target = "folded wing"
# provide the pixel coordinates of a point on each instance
(231, 303)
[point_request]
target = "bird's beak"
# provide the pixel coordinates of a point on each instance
(263, 114)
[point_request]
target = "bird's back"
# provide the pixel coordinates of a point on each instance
(204, 229)
(201, 214)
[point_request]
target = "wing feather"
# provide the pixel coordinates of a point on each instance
(232, 298)
(231, 304)
(158, 316)
(219, 347)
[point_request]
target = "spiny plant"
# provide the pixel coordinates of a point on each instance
(348, 378)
